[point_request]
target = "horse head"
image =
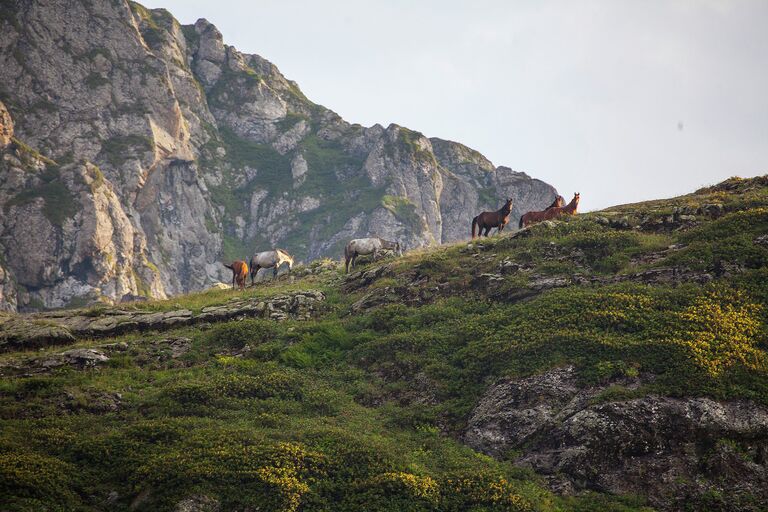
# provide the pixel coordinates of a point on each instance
(287, 258)
(573, 205)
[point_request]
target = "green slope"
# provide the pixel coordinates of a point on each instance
(362, 407)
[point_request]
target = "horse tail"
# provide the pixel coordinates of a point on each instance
(347, 257)
(522, 221)
(474, 225)
(229, 266)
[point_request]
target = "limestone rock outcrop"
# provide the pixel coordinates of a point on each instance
(18, 332)
(676, 451)
(136, 154)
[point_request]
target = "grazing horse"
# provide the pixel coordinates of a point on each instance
(270, 259)
(365, 246)
(487, 220)
(550, 213)
(239, 273)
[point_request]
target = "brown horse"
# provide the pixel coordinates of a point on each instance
(239, 273)
(557, 203)
(550, 213)
(487, 220)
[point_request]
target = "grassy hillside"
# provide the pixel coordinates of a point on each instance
(362, 408)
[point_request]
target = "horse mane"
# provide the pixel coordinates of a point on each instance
(504, 208)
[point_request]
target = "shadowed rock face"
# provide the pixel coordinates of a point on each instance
(666, 448)
(169, 151)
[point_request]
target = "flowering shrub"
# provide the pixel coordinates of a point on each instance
(30, 475)
(275, 477)
(493, 493)
(719, 330)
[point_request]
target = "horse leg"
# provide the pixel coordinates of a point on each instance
(274, 272)
(501, 228)
(487, 230)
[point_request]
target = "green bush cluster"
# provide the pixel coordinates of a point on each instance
(725, 241)
(235, 335)
(33, 480)
(59, 203)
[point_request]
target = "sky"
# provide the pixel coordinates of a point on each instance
(621, 101)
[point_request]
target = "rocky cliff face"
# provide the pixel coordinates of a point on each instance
(167, 151)
(673, 450)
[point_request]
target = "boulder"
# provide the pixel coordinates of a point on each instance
(654, 445)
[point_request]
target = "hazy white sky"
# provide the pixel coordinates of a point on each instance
(619, 100)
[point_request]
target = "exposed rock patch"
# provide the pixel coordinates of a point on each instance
(94, 402)
(40, 329)
(654, 446)
(199, 503)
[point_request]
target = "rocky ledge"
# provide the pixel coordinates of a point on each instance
(60, 327)
(676, 451)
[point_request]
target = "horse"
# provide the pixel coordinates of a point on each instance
(270, 259)
(239, 273)
(550, 213)
(559, 202)
(487, 220)
(365, 246)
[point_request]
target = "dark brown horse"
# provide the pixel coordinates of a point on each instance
(239, 273)
(487, 220)
(550, 213)
(557, 203)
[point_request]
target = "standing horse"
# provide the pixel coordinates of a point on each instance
(239, 273)
(550, 213)
(487, 220)
(365, 246)
(559, 202)
(270, 259)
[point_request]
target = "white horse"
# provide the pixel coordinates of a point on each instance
(270, 259)
(364, 246)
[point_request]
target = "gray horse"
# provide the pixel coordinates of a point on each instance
(364, 246)
(270, 259)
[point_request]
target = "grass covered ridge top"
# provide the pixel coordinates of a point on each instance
(363, 405)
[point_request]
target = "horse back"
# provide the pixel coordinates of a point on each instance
(239, 268)
(364, 245)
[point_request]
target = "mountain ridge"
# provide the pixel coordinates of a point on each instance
(207, 153)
